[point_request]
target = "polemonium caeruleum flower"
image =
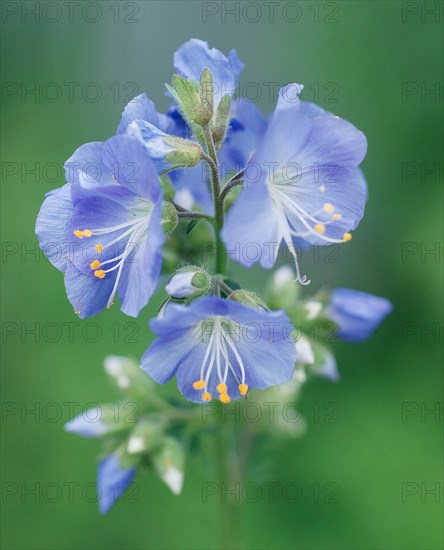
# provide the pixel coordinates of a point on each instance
(220, 348)
(356, 313)
(303, 183)
(106, 226)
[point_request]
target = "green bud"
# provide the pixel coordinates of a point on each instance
(169, 217)
(185, 153)
(145, 437)
(168, 461)
(220, 122)
(167, 186)
(204, 113)
(247, 298)
(186, 95)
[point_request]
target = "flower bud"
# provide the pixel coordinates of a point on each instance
(145, 437)
(221, 119)
(168, 462)
(167, 152)
(189, 282)
(169, 217)
(248, 298)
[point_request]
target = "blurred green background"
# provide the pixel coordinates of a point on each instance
(376, 64)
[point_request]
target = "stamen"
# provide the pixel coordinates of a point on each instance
(221, 388)
(336, 216)
(95, 264)
(347, 237)
(199, 384)
(319, 228)
(243, 388)
(224, 398)
(87, 233)
(100, 274)
(99, 248)
(78, 234)
(206, 396)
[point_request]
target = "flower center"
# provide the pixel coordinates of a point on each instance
(284, 195)
(127, 236)
(219, 333)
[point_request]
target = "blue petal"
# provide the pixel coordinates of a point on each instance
(82, 425)
(251, 230)
(88, 295)
(153, 140)
(51, 226)
(306, 135)
(112, 481)
(345, 189)
(141, 272)
(112, 206)
(88, 160)
(140, 107)
(161, 359)
(247, 128)
(193, 56)
(357, 314)
(132, 166)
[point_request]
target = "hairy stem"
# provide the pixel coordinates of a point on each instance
(211, 159)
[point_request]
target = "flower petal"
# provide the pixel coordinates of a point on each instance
(88, 295)
(132, 166)
(112, 481)
(141, 271)
(51, 226)
(251, 231)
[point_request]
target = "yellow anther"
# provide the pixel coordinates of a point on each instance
(95, 264)
(328, 207)
(99, 248)
(221, 388)
(87, 232)
(100, 274)
(243, 388)
(78, 234)
(336, 216)
(206, 396)
(199, 384)
(347, 237)
(319, 228)
(225, 398)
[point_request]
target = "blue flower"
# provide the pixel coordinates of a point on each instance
(220, 347)
(106, 227)
(303, 179)
(356, 313)
(112, 481)
(193, 56)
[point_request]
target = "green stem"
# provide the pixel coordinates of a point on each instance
(211, 159)
(193, 215)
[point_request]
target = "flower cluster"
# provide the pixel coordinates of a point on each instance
(109, 227)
